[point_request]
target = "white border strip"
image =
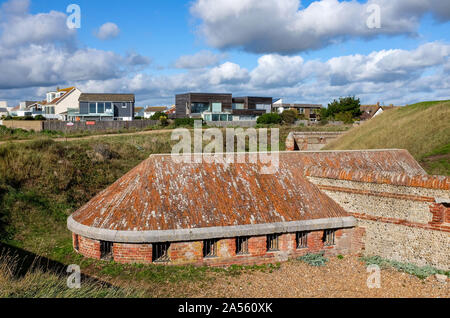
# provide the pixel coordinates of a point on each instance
(185, 235)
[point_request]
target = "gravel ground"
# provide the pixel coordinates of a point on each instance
(339, 278)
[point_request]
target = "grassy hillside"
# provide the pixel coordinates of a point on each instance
(423, 129)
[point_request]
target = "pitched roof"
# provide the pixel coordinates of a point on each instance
(66, 91)
(161, 194)
(152, 109)
(106, 97)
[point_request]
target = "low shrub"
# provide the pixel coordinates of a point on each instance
(158, 115)
(420, 272)
(270, 118)
(185, 122)
(289, 116)
(314, 259)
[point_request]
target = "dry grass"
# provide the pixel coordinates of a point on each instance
(39, 282)
(419, 128)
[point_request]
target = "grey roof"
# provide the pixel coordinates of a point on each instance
(106, 97)
(3, 110)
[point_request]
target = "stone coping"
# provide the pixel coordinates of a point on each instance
(184, 235)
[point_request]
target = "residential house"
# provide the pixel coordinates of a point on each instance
(59, 102)
(104, 107)
(370, 111)
(4, 104)
(172, 112)
(3, 112)
(139, 112)
(221, 107)
(151, 110)
(310, 111)
(13, 110)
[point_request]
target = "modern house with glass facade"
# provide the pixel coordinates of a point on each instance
(103, 107)
(221, 107)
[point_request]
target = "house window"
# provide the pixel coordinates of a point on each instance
(216, 107)
(272, 242)
(106, 250)
(238, 106)
(242, 245)
(76, 243)
(161, 252)
(329, 237)
(49, 110)
(198, 108)
(92, 108)
(210, 248)
(302, 240)
(108, 106)
(101, 108)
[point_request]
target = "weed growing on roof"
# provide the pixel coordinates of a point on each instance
(420, 272)
(340, 256)
(314, 259)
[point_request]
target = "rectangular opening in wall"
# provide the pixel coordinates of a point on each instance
(329, 237)
(106, 250)
(161, 252)
(272, 242)
(242, 245)
(302, 240)
(76, 243)
(210, 248)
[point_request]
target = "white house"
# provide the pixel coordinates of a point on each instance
(58, 103)
(150, 111)
(3, 112)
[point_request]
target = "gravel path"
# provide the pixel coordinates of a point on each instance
(339, 278)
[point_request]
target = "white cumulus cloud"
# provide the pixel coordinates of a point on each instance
(108, 31)
(283, 26)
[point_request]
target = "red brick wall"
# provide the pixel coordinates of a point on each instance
(257, 246)
(132, 253)
(186, 253)
(89, 248)
(348, 241)
(441, 213)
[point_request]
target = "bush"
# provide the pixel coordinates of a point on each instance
(39, 117)
(314, 259)
(346, 117)
(185, 122)
(289, 116)
(158, 115)
(270, 118)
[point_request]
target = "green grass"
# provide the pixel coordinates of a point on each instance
(423, 129)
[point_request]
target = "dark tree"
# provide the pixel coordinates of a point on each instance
(344, 105)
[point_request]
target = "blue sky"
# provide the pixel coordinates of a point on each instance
(308, 51)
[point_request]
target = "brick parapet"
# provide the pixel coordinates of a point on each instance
(191, 253)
